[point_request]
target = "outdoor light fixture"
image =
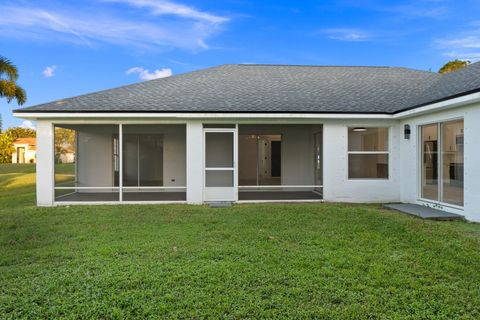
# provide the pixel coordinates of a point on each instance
(359, 129)
(406, 131)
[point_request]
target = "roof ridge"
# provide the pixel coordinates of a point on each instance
(303, 65)
(325, 66)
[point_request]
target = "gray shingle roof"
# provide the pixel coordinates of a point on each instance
(450, 85)
(276, 88)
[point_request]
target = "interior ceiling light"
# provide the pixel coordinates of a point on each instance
(359, 129)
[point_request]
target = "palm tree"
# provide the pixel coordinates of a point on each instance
(8, 86)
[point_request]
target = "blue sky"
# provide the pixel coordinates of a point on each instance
(66, 48)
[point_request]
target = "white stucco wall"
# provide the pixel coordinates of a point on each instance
(44, 165)
(410, 159)
(337, 186)
(94, 158)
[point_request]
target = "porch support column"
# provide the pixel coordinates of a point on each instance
(45, 163)
(471, 160)
(195, 162)
(120, 162)
(334, 159)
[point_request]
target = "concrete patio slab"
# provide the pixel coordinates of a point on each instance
(424, 212)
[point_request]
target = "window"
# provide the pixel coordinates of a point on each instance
(367, 153)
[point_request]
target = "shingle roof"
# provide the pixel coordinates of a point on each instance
(453, 84)
(276, 89)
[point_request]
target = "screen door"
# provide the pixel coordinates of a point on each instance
(220, 170)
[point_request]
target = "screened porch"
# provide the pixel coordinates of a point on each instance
(280, 162)
(119, 163)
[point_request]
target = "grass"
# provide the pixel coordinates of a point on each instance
(248, 261)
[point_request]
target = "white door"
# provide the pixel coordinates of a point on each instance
(220, 178)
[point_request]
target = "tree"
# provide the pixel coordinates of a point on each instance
(8, 84)
(454, 65)
(64, 142)
(8, 137)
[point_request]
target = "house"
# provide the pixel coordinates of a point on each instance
(25, 150)
(250, 133)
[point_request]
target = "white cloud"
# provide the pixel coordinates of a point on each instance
(465, 46)
(49, 71)
(164, 7)
(418, 11)
(431, 9)
(468, 42)
(347, 34)
(187, 29)
(470, 56)
(145, 74)
(27, 124)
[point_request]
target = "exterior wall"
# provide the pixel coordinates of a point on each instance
(94, 159)
(337, 186)
(44, 163)
(174, 157)
(297, 158)
(410, 159)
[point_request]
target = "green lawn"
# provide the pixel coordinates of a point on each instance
(247, 261)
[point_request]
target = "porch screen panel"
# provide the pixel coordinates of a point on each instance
(280, 162)
(368, 153)
(219, 179)
(219, 150)
(154, 162)
(84, 163)
(65, 149)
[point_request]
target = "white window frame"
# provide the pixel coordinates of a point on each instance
(369, 152)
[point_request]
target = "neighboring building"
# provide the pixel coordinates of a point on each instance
(65, 154)
(248, 133)
(25, 150)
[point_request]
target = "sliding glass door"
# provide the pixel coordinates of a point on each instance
(442, 162)
(142, 160)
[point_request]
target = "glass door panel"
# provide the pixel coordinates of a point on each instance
(130, 160)
(430, 162)
(452, 162)
(150, 159)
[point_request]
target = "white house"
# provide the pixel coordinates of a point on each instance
(269, 133)
(25, 150)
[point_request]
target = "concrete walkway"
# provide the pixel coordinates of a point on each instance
(424, 212)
